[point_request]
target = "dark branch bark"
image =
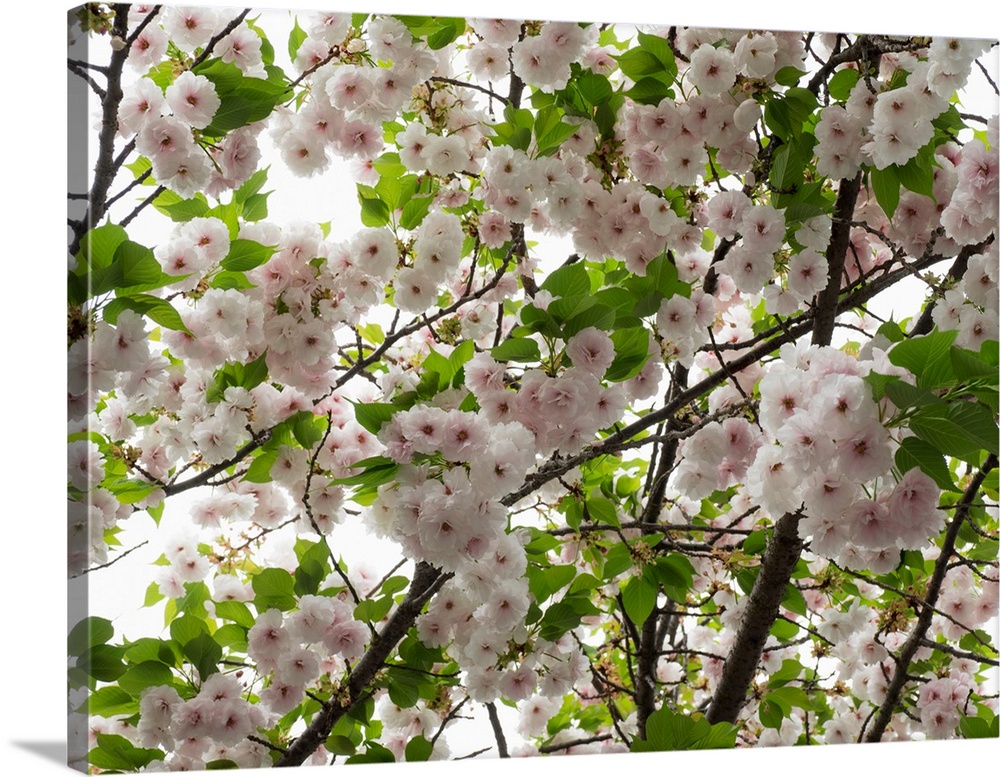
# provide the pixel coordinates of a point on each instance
(491, 709)
(465, 85)
(926, 321)
(919, 633)
(426, 582)
(210, 46)
(761, 610)
(783, 553)
(836, 255)
(104, 169)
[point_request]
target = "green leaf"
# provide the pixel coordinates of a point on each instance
(340, 745)
(617, 560)
(770, 712)
(962, 429)
(102, 662)
(675, 573)
(557, 620)
(220, 764)
(255, 208)
(133, 265)
(789, 76)
(596, 315)
(148, 674)
(308, 428)
(98, 246)
(631, 353)
(128, 491)
(793, 600)
(520, 349)
(87, 633)
(541, 321)
(904, 395)
(418, 749)
(237, 612)
(969, 367)
(154, 308)
(917, 174)
(260, 467)
(246, 255)
(187, 628)
(975, 728)
(569, 281)
(414, 211)
(639, 598)
(784, 630)
(248, 376)
(375, 754)
(892, 332)
(843, 81)
(204, 653)
(295, 39)
(669, 730)
(396, 190)
(108, 701)
(371, 415)
(885, 185)
(273, 588)
(178, 209)
(914, 452)
(659, 48)
(250, 187)
(545, 581)
(928, 357)
(373, 610)
(786, 114)
(449, 29)
(755, 542)
(985, 550)
(374, 212)
(639, 63)
(550, 131)
(153, 595)
(115, 752)
(224, 279)
(649, 90)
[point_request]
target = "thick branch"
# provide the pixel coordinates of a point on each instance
(919, 633)
(426, 582)
(761, 611)
(836, 255)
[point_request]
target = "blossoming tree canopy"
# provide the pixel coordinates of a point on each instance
(607, 375)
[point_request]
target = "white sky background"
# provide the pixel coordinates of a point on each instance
(34, 396)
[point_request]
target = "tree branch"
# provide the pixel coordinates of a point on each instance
(426, 582)
(919, 633)
(464, 85)
(759, 614)
(103, 169)
(113, 561)
(491, 708)
(836, 255)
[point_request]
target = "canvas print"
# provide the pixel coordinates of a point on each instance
(472, 388)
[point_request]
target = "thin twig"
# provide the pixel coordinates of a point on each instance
(115, 560)
(477, 87)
